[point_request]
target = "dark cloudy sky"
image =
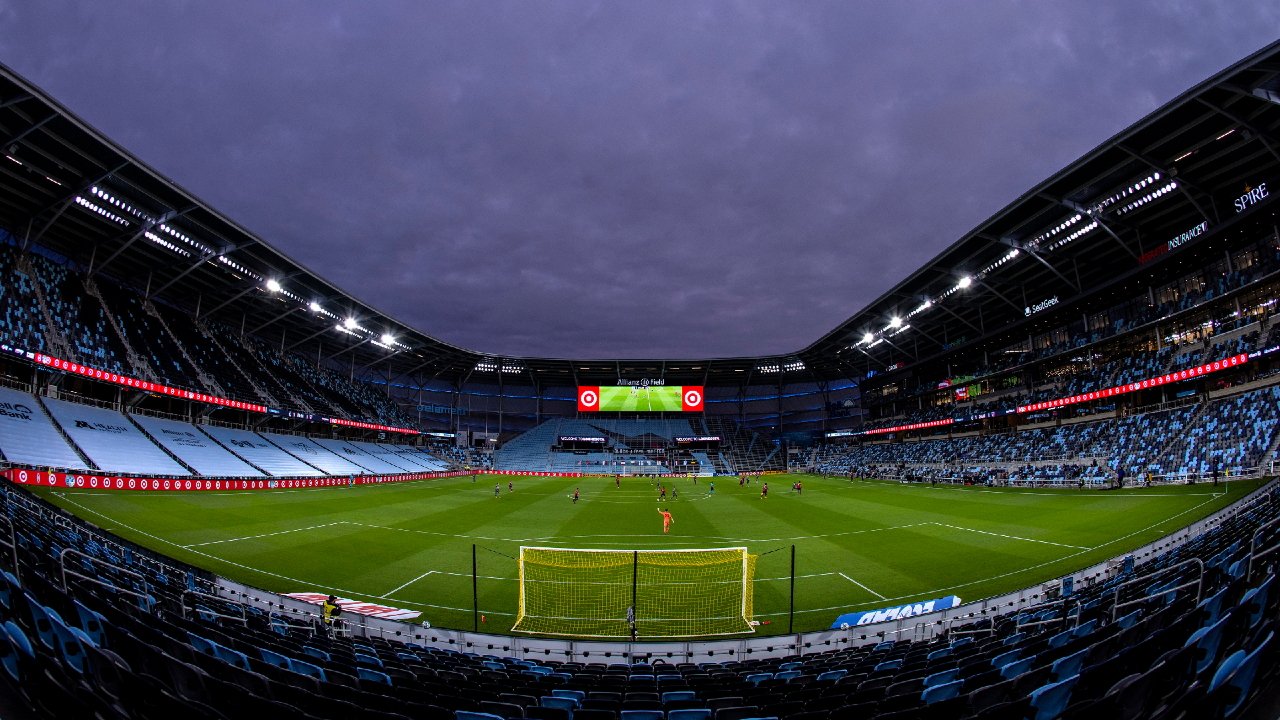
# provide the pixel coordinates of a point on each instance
(618, 179)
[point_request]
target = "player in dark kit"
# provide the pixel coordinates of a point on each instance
(575, 496)
(764, 491)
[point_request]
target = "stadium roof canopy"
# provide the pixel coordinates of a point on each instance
(68, 187)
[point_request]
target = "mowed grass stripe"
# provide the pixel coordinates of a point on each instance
(370, 540)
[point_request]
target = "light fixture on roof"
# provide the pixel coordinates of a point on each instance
(315, 306)
(868, 337)
(965, 282)
(387, 338)
(273, 285)
(895, 322)
(349, 323)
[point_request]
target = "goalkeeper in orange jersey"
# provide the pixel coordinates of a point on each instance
(666, 521)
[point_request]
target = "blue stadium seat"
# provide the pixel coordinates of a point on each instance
(1050, 700)
(944, 691)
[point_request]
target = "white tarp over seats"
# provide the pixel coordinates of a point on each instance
(313, 454)
(113, 443)
(426, 459)
(378, 455)
(260, 452)
(195, 448)
(409, 460)
(352, 455)
(27, 437)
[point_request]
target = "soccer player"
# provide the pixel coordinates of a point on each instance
(575, 496)
(799, 488)
(662, 493)
(497, 487)
(617, 480)
(713, 488)
(473, 476)
(675, 494)
(764, 491)
(511, 486)
(666, 521)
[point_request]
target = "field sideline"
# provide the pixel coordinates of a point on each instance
(859, 545)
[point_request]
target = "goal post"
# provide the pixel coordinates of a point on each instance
(676, 593)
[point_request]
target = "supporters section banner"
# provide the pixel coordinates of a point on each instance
(641, 398)
(895, 613)
(90, 481)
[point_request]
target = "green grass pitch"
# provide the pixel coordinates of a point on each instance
(860, 545)
(628, 399)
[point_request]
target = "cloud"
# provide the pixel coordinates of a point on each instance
(586, 179)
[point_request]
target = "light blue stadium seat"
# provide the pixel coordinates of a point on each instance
(678, 695)
(832, 675)
(1206, 641)
(1016, 668)
(202, 645)
(1050, 700)
(305, 668)
(940, 678)
(373, 676)
(577, 696)
(563, 703)
(756, 678)
(1070, 665)
(689, 714)
(944, 691)
(232, 657)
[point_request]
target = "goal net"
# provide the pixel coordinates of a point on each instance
(674, 593)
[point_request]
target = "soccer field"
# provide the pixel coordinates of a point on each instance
(626, 399)
(859, 545)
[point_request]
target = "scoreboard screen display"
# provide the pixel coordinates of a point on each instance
(638, 398)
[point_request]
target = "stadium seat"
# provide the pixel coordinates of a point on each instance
(1049, 701)
(469, 715)
(1012, 670)
(944, 691)
(699, 714)
(1206, 642)
(940, 678)
(676, 695)
(374, 676)
(641, 715)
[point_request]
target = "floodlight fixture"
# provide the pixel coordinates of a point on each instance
(273, 285)
(315, 306)
(868, 338)
(387, 338)
(895, 322)
(965, 282)
(349, 323)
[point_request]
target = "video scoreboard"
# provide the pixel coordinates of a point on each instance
(640, 398)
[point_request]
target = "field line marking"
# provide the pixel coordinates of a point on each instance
(1011, 537)
(928, 593)
(410, 582)
(345, 591)
(864, 587)
(251, 537)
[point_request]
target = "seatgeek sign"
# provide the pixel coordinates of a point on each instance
(895, 613)
(124, 380)
(87, 481)
(1180, 376)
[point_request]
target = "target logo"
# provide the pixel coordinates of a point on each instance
(691, 399)
(589, 398)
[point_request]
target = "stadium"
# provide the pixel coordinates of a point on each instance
(209, 448)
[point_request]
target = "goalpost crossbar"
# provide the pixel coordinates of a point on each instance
(616, 593)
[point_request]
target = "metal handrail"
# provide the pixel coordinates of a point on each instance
(62, 564)
(13, 544)
(1065, 602)
(1253, 546)
(243, 619)
(1199, 583)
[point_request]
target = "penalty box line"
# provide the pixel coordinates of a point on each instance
(250, 568)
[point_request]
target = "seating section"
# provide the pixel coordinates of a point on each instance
(28, 437)
(351, 455)
(1155, 639)
(314, 454)
(261, 454)
(1232, 434)
(111, 440)
(376, 454)
(194, 448)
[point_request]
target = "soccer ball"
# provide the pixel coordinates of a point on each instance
(844, 626)
(426, 625)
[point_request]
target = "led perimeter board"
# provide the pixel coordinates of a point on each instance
(640, 398)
